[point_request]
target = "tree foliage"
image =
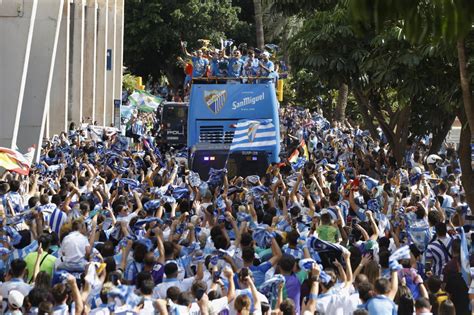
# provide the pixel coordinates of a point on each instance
(434, 22)
(438, 20)
(393, 81)
(154, 28)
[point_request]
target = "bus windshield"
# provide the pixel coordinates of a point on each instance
(175, 114)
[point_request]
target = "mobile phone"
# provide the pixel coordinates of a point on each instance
(199, 294)
(216, 276)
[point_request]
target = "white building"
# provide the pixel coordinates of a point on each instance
(60, 62)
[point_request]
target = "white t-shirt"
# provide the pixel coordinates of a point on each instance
(14, 284)
(215, 306)
(333, 302)
(184, 285)
(73, 248)
(447, 201)
(100, 311)
(148, 308)
(352, 302)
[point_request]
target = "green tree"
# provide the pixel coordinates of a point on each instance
(153, 30)
(388, 77)
(435, 22)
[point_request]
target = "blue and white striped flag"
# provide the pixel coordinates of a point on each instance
(270, 287)
(320, 245)
(369, 181)
(465, 264)
(258, 134)
(401, 253)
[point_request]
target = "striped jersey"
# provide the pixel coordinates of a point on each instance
(46, 210)
(333, 212)
(344, 205)
(56, 220)
(438, 253)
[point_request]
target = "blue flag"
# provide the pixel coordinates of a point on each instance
(401, 253)
(258, 134)
(465, 265)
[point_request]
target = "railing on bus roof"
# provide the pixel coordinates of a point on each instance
(203, 80)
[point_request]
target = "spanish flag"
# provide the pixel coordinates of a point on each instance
(294, 156)
(14, 161)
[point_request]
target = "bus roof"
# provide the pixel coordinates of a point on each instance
(175, 103)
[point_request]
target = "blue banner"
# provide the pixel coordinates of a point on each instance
(236, 101)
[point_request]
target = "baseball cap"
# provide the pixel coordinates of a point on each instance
(15, 298)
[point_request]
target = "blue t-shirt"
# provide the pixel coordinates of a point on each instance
(251, 68)
(259, 271)
(269, 65)
(381, 305)
(222, 67)
(235, 67)
(199, 66)
(293, 290)
(214, 67)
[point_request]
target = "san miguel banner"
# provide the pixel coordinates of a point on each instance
(240, 101)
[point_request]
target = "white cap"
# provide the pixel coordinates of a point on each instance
(431, 159)
(266, 54)
(15, 298)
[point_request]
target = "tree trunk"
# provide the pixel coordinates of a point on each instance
(395, 130)
(342, 102)
(465, 86)
(284, 45)
(175, 76)
(257, 7)
(440, 133)
(362, 101)
(467, 177)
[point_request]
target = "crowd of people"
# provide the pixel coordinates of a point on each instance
(103, 227)
(242, 65)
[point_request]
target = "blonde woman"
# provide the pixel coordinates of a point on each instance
(243, 304)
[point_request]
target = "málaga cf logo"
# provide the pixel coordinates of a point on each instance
(252, 131)
(215, 100)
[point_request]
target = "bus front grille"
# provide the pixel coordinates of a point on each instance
(215, 134)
